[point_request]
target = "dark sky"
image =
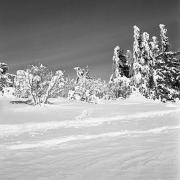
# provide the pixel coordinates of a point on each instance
(67, 33)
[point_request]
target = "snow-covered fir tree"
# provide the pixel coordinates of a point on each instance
(142, 60)
(146, 62)
(137, 47)
(164, 38)
(121, 62)
(119, 83)
(167, 68)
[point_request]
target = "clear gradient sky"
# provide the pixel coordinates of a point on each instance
(67, 33)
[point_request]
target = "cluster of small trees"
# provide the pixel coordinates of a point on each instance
(151, 68)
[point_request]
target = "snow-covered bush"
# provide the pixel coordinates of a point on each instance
(96, 87)
(38, 83)
(3, 68)
(120, 87)
(87, 88)
(6, 79)
(63, 92)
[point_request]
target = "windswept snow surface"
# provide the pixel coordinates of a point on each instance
(126, 139)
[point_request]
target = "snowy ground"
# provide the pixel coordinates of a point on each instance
(134, 139)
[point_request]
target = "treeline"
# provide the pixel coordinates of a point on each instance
(151, 68)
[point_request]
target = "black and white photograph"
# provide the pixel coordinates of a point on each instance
(89, 90)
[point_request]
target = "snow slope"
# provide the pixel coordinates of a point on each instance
(126, 139)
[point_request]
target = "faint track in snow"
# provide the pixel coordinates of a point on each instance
(18, 129)
(58, 141)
